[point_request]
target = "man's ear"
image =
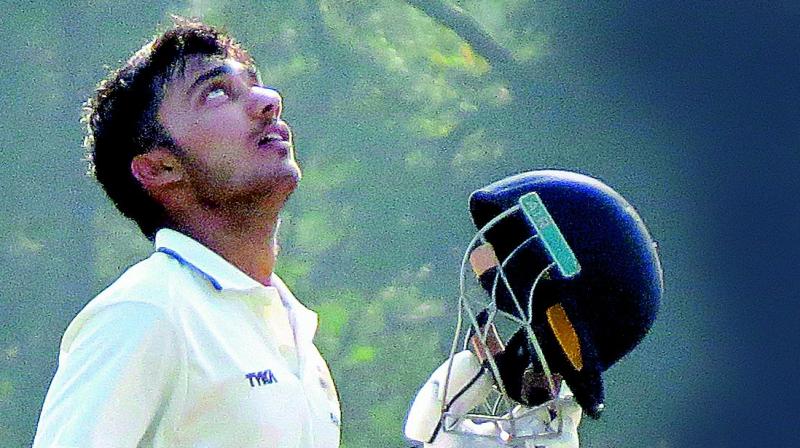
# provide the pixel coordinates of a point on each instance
(157, 169)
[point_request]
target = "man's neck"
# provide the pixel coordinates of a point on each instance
(247, 241)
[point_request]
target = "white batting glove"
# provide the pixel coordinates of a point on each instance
(469, 386)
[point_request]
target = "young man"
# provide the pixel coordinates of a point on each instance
(201, 344)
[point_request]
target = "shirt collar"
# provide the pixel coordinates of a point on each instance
(305, 320)
(217, 270)
(224, 276)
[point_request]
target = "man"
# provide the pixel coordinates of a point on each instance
(201, 344)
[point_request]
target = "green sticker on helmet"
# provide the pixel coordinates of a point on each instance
(551, 235)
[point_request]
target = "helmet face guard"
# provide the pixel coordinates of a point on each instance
(569, 282)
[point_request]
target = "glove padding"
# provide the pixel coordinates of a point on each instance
(535, 422)
(469, 386)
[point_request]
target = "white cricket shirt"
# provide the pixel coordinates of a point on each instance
(185, 350)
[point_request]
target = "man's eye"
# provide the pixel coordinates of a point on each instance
(219, 92)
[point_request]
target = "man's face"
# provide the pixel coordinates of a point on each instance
(235, 147)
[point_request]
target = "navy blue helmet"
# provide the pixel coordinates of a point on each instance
(573, 259)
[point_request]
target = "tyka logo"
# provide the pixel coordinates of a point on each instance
(261, 378)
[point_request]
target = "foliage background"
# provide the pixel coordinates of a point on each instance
(689, 110)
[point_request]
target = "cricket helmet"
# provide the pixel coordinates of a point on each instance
(572, 282)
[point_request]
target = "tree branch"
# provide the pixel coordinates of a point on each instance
(466, 28)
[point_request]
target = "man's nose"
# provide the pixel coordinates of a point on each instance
(265, 103)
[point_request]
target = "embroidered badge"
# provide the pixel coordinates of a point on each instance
(335, 420)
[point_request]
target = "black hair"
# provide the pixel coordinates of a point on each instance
(122, 116)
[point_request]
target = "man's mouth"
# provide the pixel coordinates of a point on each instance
(269, 138)
(276, 135)
(277, 130)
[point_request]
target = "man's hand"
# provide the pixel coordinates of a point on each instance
(493, 435)
(469, 385)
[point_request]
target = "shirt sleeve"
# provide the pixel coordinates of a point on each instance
(116, 372)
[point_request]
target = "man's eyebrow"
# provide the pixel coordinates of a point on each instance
(224, 69)
(213, 73)
(255, 76)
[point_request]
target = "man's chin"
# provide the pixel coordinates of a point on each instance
(293, 175)
(285, 183)
(298, 172)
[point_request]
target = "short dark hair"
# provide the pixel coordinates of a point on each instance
(121, 117)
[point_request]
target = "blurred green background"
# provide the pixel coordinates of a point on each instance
(400, 110)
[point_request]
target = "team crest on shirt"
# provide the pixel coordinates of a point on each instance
(335, 420)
